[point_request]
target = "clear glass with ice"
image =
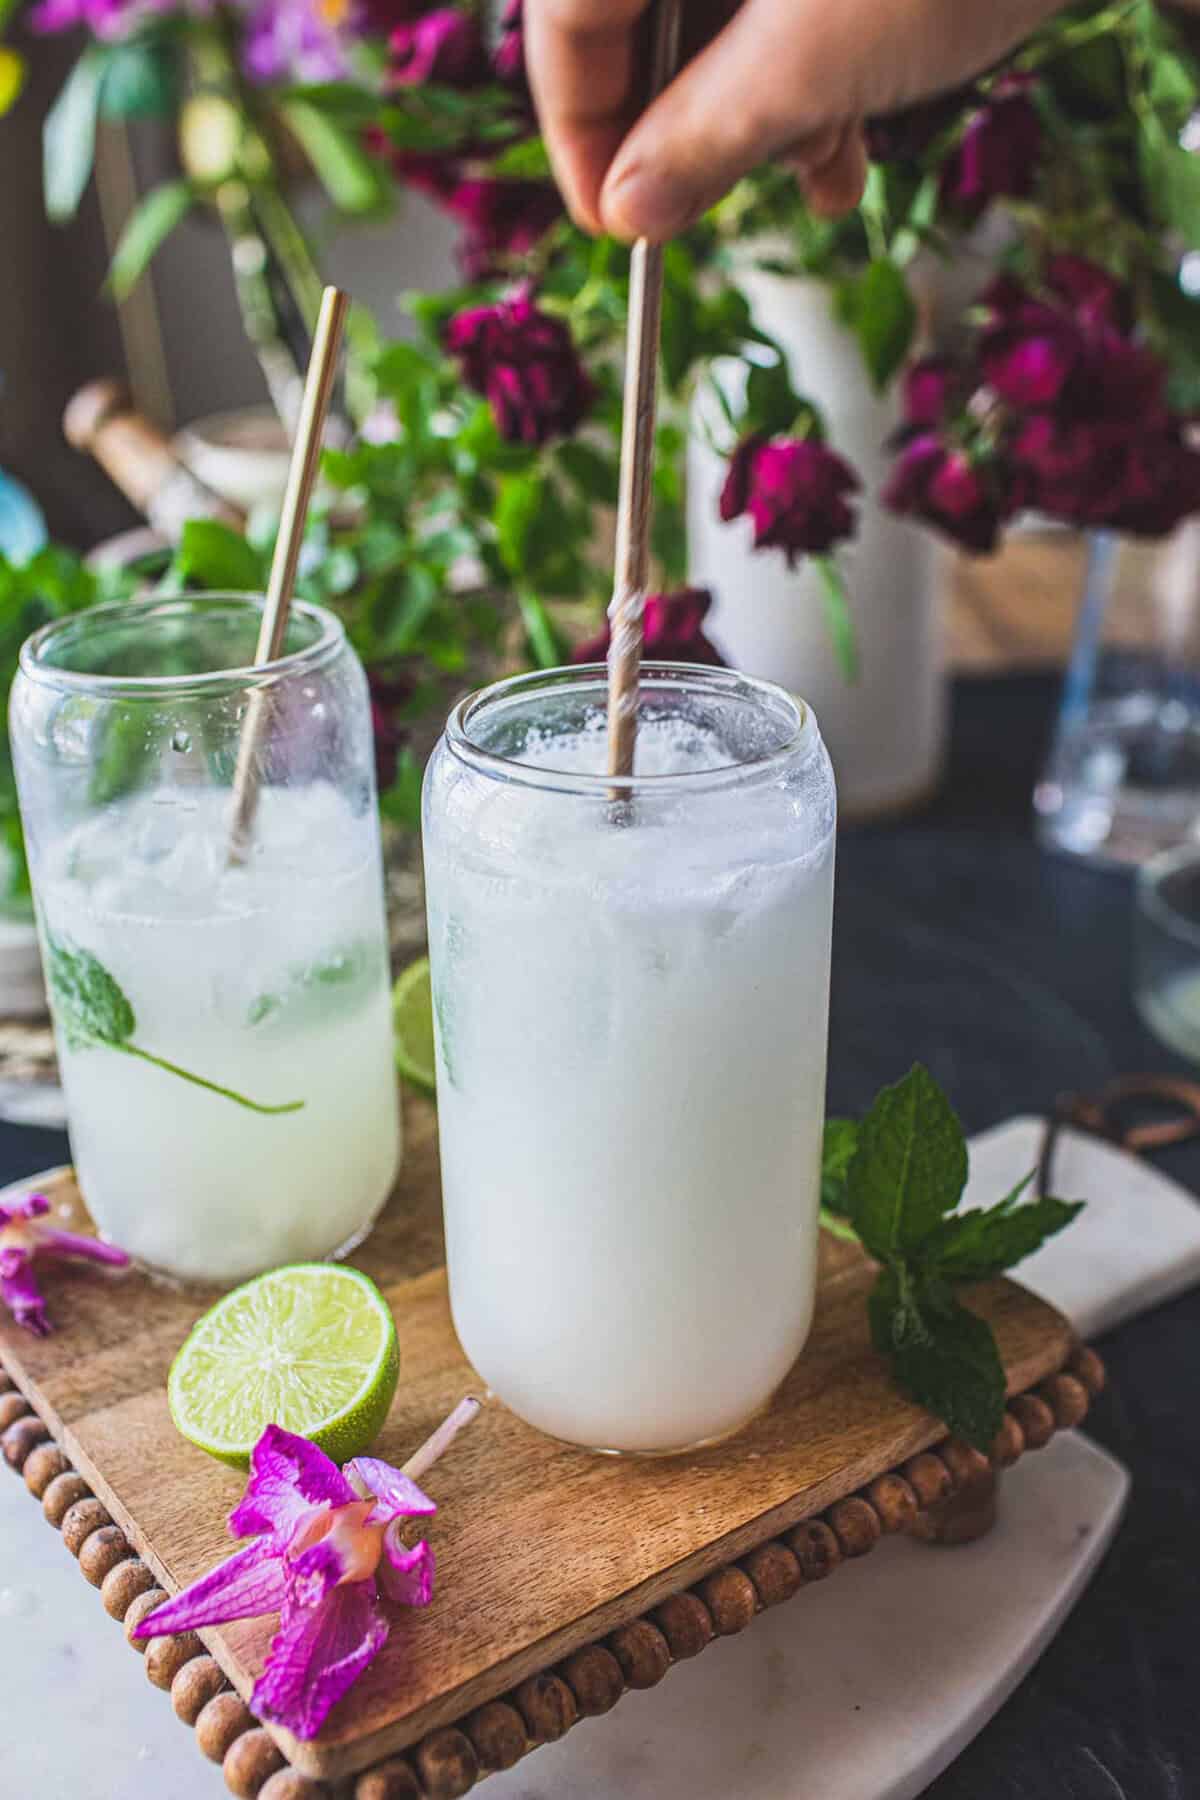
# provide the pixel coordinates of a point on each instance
(631, 999)
(223, 1025)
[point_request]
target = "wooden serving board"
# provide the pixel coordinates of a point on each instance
(540, 1548)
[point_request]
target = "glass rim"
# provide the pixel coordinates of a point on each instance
(329, 640)
(802, 739)
(1153, 905)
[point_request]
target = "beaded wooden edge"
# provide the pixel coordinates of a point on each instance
(945, 1494)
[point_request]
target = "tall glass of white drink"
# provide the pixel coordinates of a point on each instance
(631, 998)
(223, 1021)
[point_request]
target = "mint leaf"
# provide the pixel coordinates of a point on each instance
(837, 1153)
(976, 1245)
(943, 1357)
(93, 1010)
(910, 1167)
(92, 1006)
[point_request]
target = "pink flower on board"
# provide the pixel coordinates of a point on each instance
(673, 631)
(326, 1548)
(26, 1234)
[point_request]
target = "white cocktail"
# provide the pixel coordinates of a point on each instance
(223, 1023)
(631, 1006)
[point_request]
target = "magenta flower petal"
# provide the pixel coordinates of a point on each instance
(317, 1654)
(312, 1574)
(288, 1477)
(20, 1292)
(250, 1582)
(73, 1243)
(398, 1497)
(406, 1575)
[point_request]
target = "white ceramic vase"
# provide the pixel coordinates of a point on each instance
(885, 731)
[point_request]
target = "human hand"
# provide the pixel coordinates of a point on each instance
(762, 80)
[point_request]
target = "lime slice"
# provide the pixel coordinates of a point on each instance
(311, 1347)
(412, 1016)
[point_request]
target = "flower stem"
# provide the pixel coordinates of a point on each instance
(442, 1438)
(214, 1087)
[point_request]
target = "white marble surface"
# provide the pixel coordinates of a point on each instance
(753, 1717)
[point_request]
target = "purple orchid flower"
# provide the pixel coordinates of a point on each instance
(326, 1543)
(25, 1233)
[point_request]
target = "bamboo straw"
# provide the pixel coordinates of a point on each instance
(635, 497)
(302, 474)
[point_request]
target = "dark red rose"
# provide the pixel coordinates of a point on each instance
(381, 17)
(526, 364)
(1029, 363)
(1093, 295)
(390, 693)
(929, 388)
(905, 135)
(433, 173)
(443, 46)
(796, 492)
(508, 60)
(501, 219)
(940, 484)
(999, 151)
(673, 631)
(1102, 473)
(1035, 355)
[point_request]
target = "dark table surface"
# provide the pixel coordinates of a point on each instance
(959, 943)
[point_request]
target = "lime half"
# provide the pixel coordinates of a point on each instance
(412, 1016)
(311, 1347)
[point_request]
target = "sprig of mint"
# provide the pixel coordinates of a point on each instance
(894, 1182)
(92, 1008)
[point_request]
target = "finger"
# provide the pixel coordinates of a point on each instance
(581, 56)
(833, 185)
(783, 69)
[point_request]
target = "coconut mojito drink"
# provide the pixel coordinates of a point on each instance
(631, 1006)
(223, 1025)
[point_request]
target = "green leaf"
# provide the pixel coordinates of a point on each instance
(975, 1245)
(93, 1010)
(772, 404)
(402, 801)
(348, 105)
(526, 161)
(945, 1358)
(837, 1153)
(837, 616)
(595, 475)
(405, 603)
(355, 181)
(1172, 178)
(218, 558)
(141, 80)
(69, 134)
(148, 226)
(91, 1006)
(545, 640)
(910, 1166)
(880, 311)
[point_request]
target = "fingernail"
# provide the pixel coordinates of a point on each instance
(641, 202)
